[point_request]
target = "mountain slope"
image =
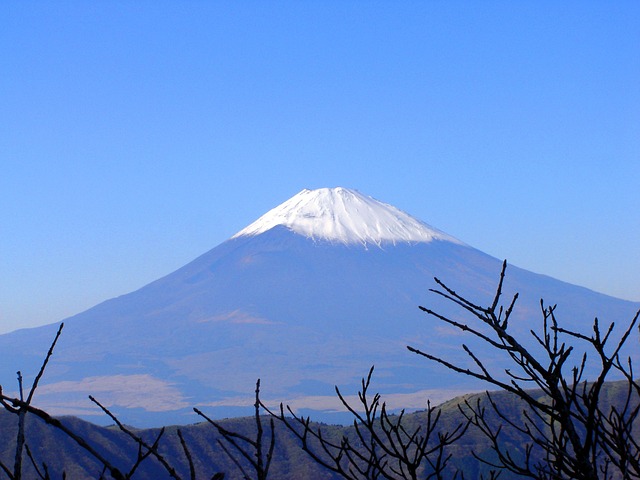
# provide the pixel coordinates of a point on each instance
(301, 311)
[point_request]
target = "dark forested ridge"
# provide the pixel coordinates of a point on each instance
(62, 454)
(59, 453)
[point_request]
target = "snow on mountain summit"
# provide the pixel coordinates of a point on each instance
(341, 215)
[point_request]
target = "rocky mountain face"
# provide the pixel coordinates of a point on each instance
(307, 297)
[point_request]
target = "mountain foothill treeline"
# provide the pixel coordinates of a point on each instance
(543, 419)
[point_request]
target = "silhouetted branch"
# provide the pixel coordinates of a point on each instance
(250, 450)
(187, 453)
(148, 449)
(570, 432)
(383, 446)
(44, 475)
(15, 403)
(20, 438)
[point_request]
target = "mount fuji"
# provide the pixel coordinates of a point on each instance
(308, 296)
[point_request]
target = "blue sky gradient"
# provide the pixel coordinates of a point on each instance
(134, 136)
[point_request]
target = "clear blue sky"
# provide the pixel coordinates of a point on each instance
(135, 136)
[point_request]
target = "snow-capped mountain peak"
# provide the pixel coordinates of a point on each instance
(341, 215)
